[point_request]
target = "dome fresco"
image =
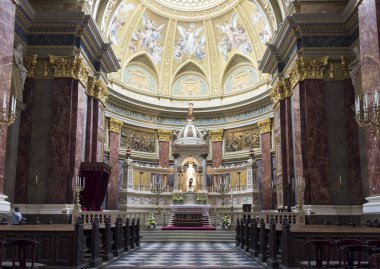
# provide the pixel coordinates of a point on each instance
(173, 32)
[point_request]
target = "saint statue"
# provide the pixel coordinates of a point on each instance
(190, 116)
(191, 175)
(17, 54)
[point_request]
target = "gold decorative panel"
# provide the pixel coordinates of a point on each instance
(237, 140)
(138, 140)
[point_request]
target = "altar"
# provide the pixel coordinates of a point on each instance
(189, 217)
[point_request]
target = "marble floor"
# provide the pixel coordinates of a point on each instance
(185, 255)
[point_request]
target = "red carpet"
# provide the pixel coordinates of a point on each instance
(202, 228)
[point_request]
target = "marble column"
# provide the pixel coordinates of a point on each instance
(369, 21)
(113, 190)
(7, 25)
(98, 131)
(216, 137)
(66, 141)
(204, 168)
(310, 142)
(89, 129)
(175, 167)
(164, 138)
(266, 190)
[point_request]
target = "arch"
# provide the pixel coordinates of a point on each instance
(235, 60)
(142, 58)
(189, 66)
(187, 159)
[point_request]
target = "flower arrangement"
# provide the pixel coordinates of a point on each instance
(151, 222)
(178, 199)
(201, 199)
(226, 222)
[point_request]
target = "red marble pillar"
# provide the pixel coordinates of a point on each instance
(164, 138)
(113, 191)
(310, 141)
(66, 139)
(98, 131)
(216, 137)
(369, 21)
(89, 129)
(266, 190)
(7, 24)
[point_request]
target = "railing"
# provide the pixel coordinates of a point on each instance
(213, 189)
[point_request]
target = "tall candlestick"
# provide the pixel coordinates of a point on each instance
(366, 100)
(5, 101)
(376, 98)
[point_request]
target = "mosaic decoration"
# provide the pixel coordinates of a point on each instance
(242, 140)
(119, 21)
(138, 140)
(234, 37)
(241, 78)
(139, 78)
(148, 38)
(260, 21)
(190, 86)
(192, 41)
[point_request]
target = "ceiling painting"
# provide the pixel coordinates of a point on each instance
(191, 42)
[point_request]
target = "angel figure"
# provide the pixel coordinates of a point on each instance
(19, 60)
(191, 42)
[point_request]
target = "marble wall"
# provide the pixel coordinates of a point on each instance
(266, 185)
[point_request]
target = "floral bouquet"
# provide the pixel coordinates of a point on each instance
(178, 200)
(151, 222)
(226, 222)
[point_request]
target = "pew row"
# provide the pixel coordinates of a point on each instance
(282, 245)
(77, 246)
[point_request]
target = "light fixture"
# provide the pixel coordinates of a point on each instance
(8, 115)
(367, 113)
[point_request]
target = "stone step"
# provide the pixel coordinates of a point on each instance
(187, 236)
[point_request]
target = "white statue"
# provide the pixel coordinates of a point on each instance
(19, 60)
(191, 176)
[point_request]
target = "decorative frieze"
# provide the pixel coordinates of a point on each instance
(115, 125)
(138, 140)
(265, 126)
(238, 140)
(216, 135)
(164, 135)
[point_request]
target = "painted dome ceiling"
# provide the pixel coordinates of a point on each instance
(188, 49)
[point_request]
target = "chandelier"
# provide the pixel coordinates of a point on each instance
(8, 116)
(367, 113)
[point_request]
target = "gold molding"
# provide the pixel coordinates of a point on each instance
(216, 135)
(69, 67)
(90, 86)
(30, 64)
(281, 90)
(115, 125)
(265, 126)
(164, 135)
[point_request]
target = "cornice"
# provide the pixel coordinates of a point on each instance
(299, 26)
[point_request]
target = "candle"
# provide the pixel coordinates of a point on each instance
(36, 179)
(5, 101)
(14, 105)
(357, 105)
(366, 100)
(376, 98)
(340, 180)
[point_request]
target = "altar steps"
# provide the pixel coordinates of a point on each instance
(159, 235)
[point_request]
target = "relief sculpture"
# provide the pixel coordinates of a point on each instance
(242, 140)
(138, 140)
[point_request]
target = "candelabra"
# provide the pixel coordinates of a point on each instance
(78, 185)
(368, 114)
(8, 117)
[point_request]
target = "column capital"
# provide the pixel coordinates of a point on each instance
(281, 89)
(115, 125)
(265, 125)
(164, 135)
(216, 135)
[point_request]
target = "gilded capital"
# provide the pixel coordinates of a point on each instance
(265, 126)
(90, 86)
(216, 135)
(69, 67)
(164, 135)
(308, 68)
(282, 89)
(30, 64)
(115, 125)
(100, 91)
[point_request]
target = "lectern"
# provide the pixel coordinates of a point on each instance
(97, 175)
